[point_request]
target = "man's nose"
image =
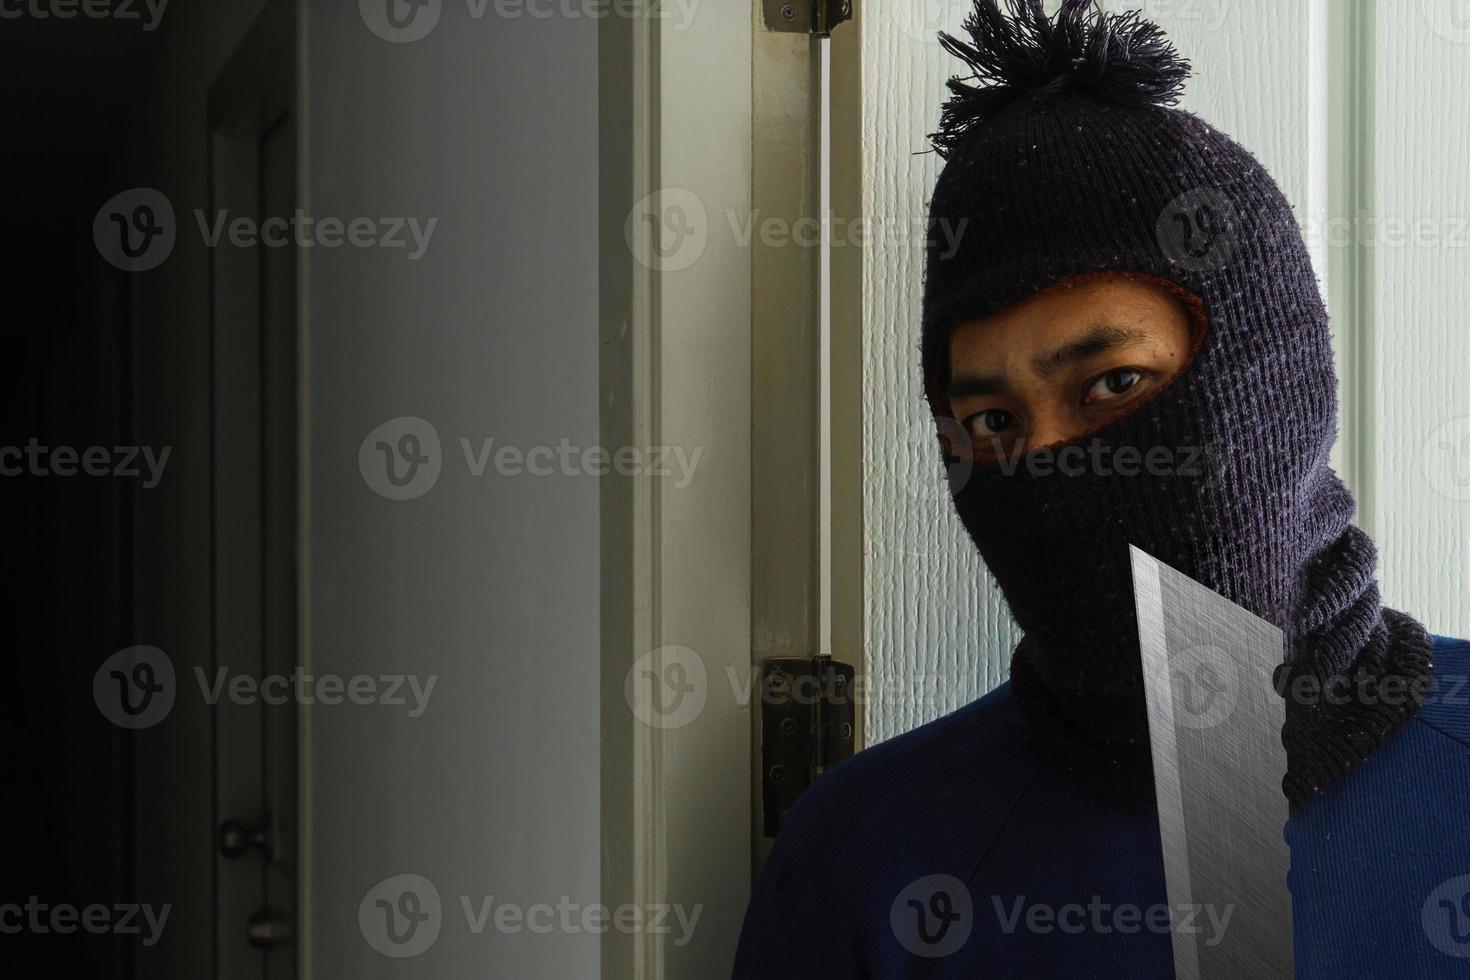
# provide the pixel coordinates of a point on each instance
(1051, 427)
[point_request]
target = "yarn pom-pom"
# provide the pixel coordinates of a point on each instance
(1021, 59)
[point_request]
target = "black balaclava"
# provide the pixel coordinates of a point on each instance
(1066, 157)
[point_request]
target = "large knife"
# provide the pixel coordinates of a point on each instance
(1215, 735)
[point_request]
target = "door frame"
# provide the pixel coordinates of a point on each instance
(253, 94)
(675, 560)
(723, 354)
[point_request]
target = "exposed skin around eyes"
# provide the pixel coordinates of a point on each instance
(1067, 360)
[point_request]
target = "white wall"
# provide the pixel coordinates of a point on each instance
(491, 582)
(936, 627)
(1265, 74)
(1420, 349)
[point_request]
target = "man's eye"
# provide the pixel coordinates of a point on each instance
(991, 422)
(1113, 385)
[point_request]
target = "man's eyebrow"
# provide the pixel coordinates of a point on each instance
(1100, 338)
(975, 386)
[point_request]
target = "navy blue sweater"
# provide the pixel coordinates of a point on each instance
(952, 851)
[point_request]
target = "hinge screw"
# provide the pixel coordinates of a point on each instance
(789, 12)
(847, 8)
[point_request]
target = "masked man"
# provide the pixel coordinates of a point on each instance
(1130, 301)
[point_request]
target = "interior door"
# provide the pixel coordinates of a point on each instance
(253, 148)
